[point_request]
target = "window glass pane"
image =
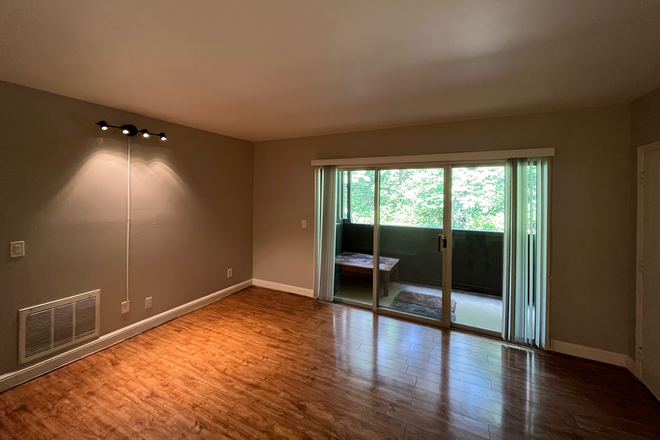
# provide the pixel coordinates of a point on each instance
(478, 198)
(411, 229)
(477, 246)
(412, 197)
(362, 196)
(354, 245)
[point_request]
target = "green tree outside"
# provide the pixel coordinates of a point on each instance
(415, 197)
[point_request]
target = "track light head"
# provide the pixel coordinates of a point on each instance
(145, 132)
(162, 136)
(129, 130)
(103, 125)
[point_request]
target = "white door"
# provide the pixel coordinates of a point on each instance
(650, 264)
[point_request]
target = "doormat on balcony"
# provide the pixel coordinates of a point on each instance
(421, 304)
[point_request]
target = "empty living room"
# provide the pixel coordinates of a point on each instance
(308, 219)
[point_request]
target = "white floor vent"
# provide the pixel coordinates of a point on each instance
(57, 324)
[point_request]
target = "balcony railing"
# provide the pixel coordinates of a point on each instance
(477, 255)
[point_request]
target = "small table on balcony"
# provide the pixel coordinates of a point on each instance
(364, 263)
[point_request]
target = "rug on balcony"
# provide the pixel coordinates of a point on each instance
(421, 304)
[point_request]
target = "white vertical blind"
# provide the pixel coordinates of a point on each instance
(525, 251)
(328, 215)
(509, 259)
(318, 228)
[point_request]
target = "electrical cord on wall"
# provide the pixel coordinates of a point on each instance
(128, 215)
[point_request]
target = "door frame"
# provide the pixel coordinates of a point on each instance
(475, 158)
(639, 261)
(447, 268)
(447, 256)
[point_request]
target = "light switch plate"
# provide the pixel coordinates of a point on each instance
(17, 249)
(147, 303)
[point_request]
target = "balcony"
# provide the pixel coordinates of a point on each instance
(476, 278)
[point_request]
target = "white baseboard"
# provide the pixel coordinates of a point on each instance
(12, 379)
(283, 287)
(631, 365)
(594, 354)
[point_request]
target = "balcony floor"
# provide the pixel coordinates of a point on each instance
(473, 309)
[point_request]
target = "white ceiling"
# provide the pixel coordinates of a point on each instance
(260, 69)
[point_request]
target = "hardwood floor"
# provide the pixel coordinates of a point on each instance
(265, 364)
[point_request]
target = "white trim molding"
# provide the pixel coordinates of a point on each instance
(283, 287)
(438, 158)
(594, 354)
(631, 365)
(14, 378)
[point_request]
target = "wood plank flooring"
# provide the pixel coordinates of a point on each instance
(262, 364)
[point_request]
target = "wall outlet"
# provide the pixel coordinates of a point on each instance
(304, 224)
(17, 249)
(125, 307)
(230, 273)
(147, 303)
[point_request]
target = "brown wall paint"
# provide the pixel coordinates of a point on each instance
(63, 191)
(645, 119)
(593, 229)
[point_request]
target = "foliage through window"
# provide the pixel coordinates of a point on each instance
(415, 197)
(478, 198)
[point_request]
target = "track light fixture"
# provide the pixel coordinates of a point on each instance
(131, 130)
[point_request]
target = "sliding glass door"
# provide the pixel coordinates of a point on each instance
(477, 220)
(421, 259)
(456, 245)
(411, 218)
(354, 236)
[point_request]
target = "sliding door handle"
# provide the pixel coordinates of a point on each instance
(442, 243)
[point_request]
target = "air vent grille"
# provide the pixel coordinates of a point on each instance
(85, 317)
(63, 328)
(55, 325)
(37, 331)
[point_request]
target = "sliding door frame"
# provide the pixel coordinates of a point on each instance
(447, 251)
(376, 254)
(447, 162)
(376, 270)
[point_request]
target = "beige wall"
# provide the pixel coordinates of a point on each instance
(645, 119)
(63, 191)
(593, 227)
